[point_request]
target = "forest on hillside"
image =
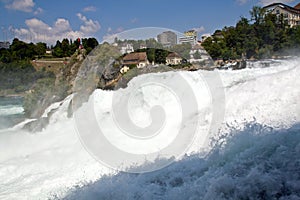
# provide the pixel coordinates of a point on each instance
(262, 36)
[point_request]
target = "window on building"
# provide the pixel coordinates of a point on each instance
(286, 15)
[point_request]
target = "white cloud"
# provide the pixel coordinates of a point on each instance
(267, 2)
(36, 25)
(89, 26)
(39, 31)
(61, 26)
(21, 5)
(90, 9)
(112, 34)
(110, 37)
(241, 2)
(38, 11)
(199, 29)
(21, 31)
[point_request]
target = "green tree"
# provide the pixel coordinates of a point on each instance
(58, 52)
(152, 43)
(40, 48)
(151, 54)
(65, 46)
(89, 44)
(21, 50)
(257, 15)
(212, 48)
(267, 35)
(5, 56)
(182, 49)
(160, 56)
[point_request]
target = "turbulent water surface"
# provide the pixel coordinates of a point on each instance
(255, 155)
(11, 111)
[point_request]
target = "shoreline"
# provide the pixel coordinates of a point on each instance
(4, 95)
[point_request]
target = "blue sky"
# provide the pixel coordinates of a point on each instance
(48, 21)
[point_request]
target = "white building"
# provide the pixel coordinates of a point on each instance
(126, 48)
(173, 59)
(205, 36)
(290, 14)
(124, 69)
(189, 37)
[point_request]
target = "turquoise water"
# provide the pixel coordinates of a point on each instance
(11, 111)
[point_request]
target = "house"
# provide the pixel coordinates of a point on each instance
(173, 59)
(48, 52)
(205, 36)
(124, 69)
(290, 14)
(137, 58)
(218, 34)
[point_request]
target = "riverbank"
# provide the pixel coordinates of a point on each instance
(11, 93)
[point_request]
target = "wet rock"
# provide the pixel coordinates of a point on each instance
(239, 65)
(37, 125)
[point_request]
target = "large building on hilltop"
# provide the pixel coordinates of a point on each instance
(290, 14)
(167, 38)
(189, 37)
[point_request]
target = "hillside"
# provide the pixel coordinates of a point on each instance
(54, 65)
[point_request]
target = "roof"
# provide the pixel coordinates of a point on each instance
(173, 55)
(297, 6)
(295, 9)
(135, 58)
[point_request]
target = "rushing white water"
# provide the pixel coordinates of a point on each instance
(256, 163)
(11, 110)
(256, 153)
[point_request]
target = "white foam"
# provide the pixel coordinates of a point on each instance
(11, 110)
(47, 164)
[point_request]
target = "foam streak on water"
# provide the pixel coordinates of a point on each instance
(11, 110)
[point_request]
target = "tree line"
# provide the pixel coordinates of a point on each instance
(67, 47)
(20, 50)
(263, 36)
